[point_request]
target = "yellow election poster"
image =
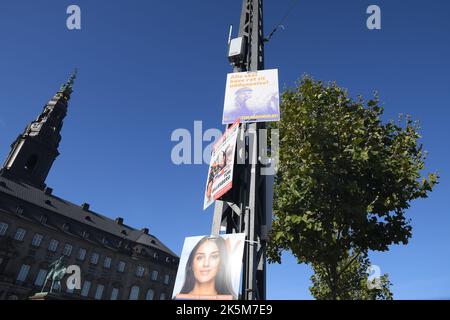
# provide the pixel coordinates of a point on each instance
(220, 174)
(252, 97)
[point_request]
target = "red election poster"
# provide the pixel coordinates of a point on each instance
(220, 174)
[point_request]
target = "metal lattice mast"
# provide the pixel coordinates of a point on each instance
(247, 211)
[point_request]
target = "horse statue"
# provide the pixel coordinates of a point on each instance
(56, 273)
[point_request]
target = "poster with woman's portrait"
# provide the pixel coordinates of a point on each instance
(210, 268)
(252, 97)
(221, 166)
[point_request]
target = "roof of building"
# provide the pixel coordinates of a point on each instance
(65, 208)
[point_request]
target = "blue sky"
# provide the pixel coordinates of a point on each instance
(147, 68)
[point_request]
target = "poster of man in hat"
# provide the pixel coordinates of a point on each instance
(252, 97)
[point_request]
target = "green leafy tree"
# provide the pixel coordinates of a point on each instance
(353, 281)
(345, 178)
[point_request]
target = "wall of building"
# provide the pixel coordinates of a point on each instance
(16, 254)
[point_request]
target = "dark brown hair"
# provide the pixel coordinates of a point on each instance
(223, 277)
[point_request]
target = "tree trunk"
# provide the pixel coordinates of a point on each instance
(334, 281)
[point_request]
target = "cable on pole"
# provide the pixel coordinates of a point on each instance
(280, 24)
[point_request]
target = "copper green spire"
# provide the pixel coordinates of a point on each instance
(34, 151)
(67, 88)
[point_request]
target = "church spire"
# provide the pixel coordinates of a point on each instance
(34, 151)
(67, 88)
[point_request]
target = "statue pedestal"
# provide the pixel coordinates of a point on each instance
(46, 296)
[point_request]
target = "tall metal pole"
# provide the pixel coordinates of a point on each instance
(247, 211)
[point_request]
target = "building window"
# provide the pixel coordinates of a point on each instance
(114, 294)
(121, 266)
(19, 210)
(150, 294)
(154, 275)
(94, 258)
(162, 296)
(53, 245)
(37, 240)
(67, 250)
(140, 271)
(40, 278)
(134, 293)
(107, 262)
(43, 219)
(31, 163)
(23, 273)
(81, 254)
(3, 228)
(166, 279)
(99, 292)
(20, 234)
(69, 290)
(85, 288)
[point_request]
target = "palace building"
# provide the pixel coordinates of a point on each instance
(117, 262)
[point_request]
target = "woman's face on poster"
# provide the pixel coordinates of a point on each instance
(206, 262)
